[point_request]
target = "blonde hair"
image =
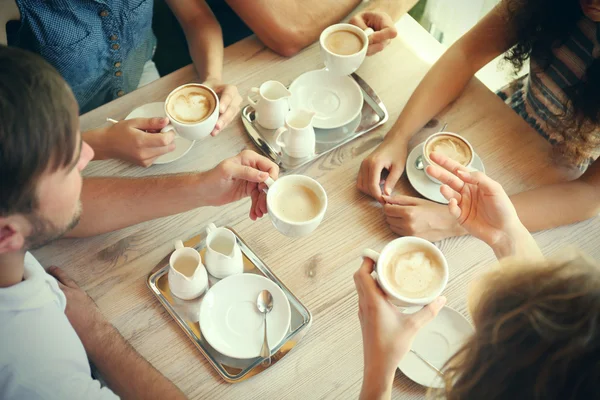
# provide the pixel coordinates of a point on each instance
(537, 334)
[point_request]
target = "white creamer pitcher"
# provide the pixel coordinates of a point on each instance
(187, 276)
(297, 138)
(223, 254)
(272, 105)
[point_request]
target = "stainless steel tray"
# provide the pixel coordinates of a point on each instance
(372, 115)
(185, 313)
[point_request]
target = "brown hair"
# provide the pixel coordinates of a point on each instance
(537, 335)
(38, 127)
(541, 26)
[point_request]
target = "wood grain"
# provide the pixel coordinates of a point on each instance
(318, 269)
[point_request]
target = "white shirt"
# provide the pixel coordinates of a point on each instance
(41, 356)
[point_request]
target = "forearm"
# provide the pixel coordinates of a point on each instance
(96, 139)
(558, 204)
(443, 84)
(134, 378)
(518, 242)
(206, 49)
(394, 8)
(114, 203)
(377, 385)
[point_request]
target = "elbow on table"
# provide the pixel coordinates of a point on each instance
(286, 41)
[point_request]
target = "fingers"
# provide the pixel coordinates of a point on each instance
(446, 163)
(377, 47)
(62, 277)
(426, 315)
(358, 21)
(401, 200)
(157, 139)
(444, 176)
(454, 209)
(253, 159)
(148, 124)
(392, 179)
(373, 178)
(254, 198)
(482, 181)
(247, 173)
(364, 282)
(449, 194)
(229, 106)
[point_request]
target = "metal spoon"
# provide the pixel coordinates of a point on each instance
(264, 303)
(440, 373)
(419, 161)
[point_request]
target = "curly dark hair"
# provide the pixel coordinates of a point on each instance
(540, 27)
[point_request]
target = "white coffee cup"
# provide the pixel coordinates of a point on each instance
(297, 139)
(285, 225)
(195, 130)
(272, 105)
(427, 161)
(344, 64)
(389, 250)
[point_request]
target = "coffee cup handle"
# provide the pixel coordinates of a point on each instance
(369, 32)
(278, 134)
(178, 245)
(269, 182)
(210, 228)
(372, 254)
(168, 128)
(253, 90)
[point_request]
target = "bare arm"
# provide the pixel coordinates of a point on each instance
(114, 203)
(452, 72)
(288, 26)
(204, 37)
(561, 203)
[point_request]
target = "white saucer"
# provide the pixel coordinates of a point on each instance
(337, 100)
(230, 321)
(422, 184)
(182, 145)
(436, 342)
(336, 135)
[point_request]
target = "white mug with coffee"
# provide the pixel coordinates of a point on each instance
(452, 146)
(344, 47)
(410, 270)
(296, 204)
(297, 138)
(272, 105)
(193, 110)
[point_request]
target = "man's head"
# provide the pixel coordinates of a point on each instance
(41, 152)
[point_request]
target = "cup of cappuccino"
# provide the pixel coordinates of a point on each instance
(193, 110)
(452, 146)
(344, 47)
(296, 204)
(410, 270)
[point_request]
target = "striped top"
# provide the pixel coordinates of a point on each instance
(539, 97)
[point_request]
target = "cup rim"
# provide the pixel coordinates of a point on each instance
(426, 156)
(410, 300)
(318, 217)
(176, 253)
(337, 27)
(261, 88)
(175, 120)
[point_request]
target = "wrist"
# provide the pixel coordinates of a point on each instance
(96, 139)
(377, 383)
(517, 241)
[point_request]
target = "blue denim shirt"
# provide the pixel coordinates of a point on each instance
(99, 47)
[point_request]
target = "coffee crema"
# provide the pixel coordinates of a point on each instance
(452, 147)
(191, 104)
(414, 272)
(344, 42)
(296, 203)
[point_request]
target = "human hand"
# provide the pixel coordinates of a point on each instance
(412, 216)
(82, 312)
(137, 140)
(478, 203)
(238, 177)
(229, 104)
(381, 23)
(387, 333)
(390, 156)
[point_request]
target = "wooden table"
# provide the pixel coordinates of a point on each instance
(113, 267)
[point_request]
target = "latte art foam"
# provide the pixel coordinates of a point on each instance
(452, 147)
(414, 274)
(191, 104)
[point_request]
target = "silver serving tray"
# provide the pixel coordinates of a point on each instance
(372, 115)
(186, 314)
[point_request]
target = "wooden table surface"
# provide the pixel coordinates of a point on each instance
(327, 363)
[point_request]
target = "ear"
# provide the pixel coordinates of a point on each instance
(11, 238)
